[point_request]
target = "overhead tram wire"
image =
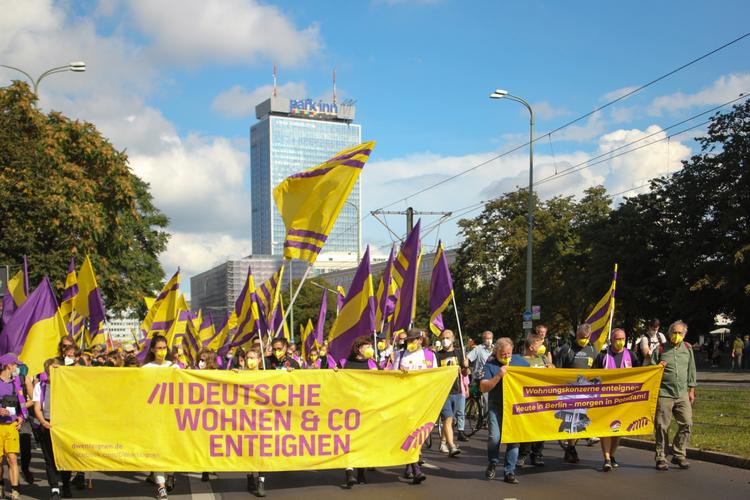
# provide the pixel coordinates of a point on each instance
(565, 125)
(571, 122)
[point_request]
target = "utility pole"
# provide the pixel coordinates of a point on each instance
(409, 213)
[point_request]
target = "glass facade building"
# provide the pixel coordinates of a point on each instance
(282, 144)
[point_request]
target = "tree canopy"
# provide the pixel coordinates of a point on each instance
(66, 191)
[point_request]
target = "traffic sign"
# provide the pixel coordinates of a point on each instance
(527, 325)
(536, 312)
(527, 316)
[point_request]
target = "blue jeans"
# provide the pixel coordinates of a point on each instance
(454, 408)
(495, 424)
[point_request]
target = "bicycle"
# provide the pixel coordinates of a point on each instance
(475, 411)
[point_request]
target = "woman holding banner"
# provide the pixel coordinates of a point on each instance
(157, 358)
(615, 356)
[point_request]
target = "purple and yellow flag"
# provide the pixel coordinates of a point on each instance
(600, 318)
(16, 291)
(313, 336)
(35, 329)
(310, 201)
(405, 273)
(441, 290)
(72, 322)
(88, 303)
(248, 313)
(307, 338)
(386, 295)
(268, 297)
(357, 315)
(223, 334)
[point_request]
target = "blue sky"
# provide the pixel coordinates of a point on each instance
(174, 82)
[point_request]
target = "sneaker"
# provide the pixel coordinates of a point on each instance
(614, 462)
(537, 461)
(351, 480)
(571, 455)
(260, 488)
(55, 495)
(681, 462)
(418, 475)
(454, 451)
(662, 465)
(161, 493)
(14, 495)
(462, 437)
(407, 472)
(607, 466)
(490, 472)
(444, 447)
(205, 477)
(28, 476)
(521, 461)
(510, 478)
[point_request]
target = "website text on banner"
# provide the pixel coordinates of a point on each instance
(540, 405)
(131, 419)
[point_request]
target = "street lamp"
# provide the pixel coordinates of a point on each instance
(503, 94)
(359, 230)
(75, 66)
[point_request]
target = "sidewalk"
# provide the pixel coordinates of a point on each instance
(723, 377)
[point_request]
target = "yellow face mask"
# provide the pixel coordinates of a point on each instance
(251, 363)
(279, 353)
(314, 358)
(676, 338)
(381, 345)
(160, 353)
(582, 342)
(541, 350)
(504, 361)
(368, 352)
(619, 345)
(412, 346)
(323, 352)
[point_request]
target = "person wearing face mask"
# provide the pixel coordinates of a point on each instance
(615, 356)
(492, 383)
(676, 396)
(325, 360)
(69, 355)
(361, 357)
(256, 481)
(41, 398)
(410, 355)
(651, 341)
(543, 350)
(383, 351)
(279, 358)
(535, 354)
(478, 357)
(13, 411)
(580, 356)
(456, 401)
(157, 358)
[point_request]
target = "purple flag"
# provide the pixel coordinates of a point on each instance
(405, 272)
(441, 290)
(357, 315)
(386, 302)
(11, 300)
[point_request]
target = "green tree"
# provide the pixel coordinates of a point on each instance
(68, 192)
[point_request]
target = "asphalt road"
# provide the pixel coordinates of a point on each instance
(457, 478)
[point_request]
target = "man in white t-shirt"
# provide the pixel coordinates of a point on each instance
(651, 340)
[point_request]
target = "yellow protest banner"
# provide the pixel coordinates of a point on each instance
(552, 403)
(141, 419)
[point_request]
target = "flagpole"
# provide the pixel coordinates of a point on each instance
(291, 304)
(262, 350)
(458, 323)
(612, 314)
(294, 297)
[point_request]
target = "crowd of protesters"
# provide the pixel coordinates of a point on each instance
(25, 410)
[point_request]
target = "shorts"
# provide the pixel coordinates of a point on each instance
(9, 439)
(452, 405)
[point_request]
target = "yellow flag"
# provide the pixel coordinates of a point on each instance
(310, 201)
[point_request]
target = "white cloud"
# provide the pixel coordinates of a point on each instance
(237, 102)
(617, 93)
(590, 129)
(224, 31)
(197, 252)
(545, 111)
(722, 90)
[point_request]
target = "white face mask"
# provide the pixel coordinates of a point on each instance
(447, 343)
(487, 342)
(16, 372)
(69, 361)
(201, 365)
(229, 355)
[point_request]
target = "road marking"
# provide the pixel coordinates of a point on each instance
(200, 490)
(429, 466)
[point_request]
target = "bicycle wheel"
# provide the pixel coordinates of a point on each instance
(472, 413)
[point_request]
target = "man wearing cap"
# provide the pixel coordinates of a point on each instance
(12, 411)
